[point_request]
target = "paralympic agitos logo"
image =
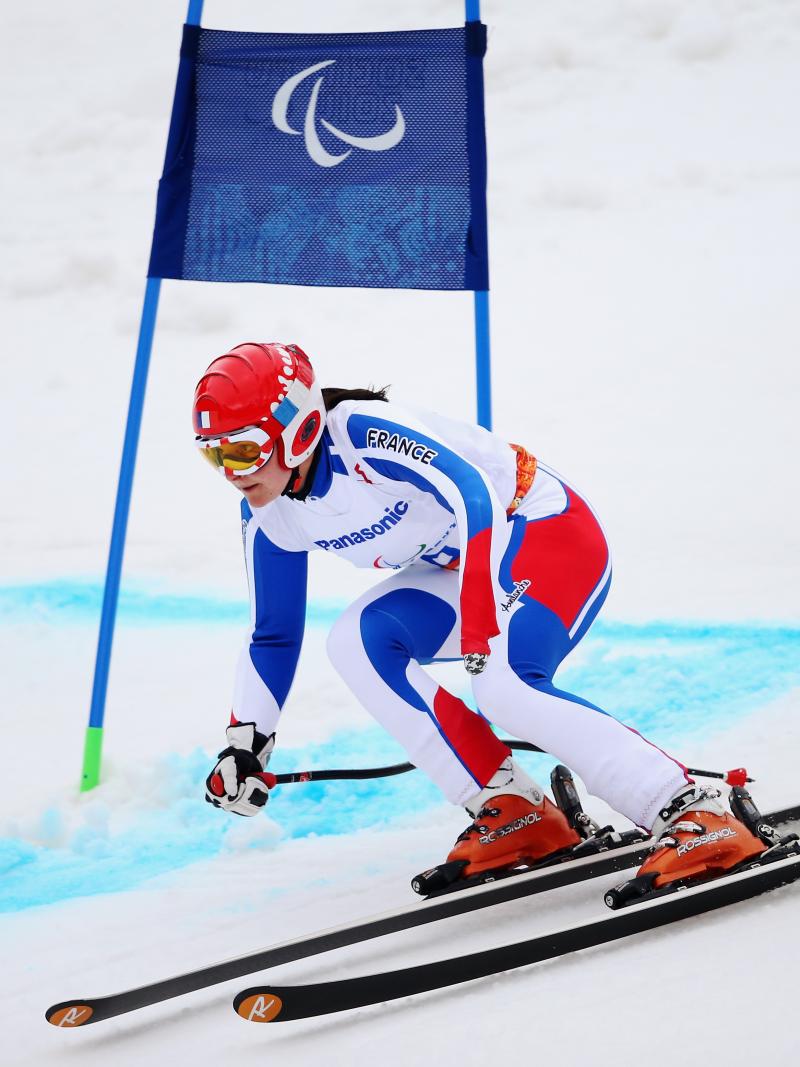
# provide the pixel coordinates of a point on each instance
(319, 154)
(368, 533)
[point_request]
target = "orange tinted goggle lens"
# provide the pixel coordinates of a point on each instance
(235, 455)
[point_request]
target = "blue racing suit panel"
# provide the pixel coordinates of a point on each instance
(277, 580)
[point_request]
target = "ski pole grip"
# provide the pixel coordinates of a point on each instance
(738, 776)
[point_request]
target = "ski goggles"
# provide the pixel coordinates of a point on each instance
(243, 452)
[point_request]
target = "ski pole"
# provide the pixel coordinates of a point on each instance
(738, 776)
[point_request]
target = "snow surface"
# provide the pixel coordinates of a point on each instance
(645, 232)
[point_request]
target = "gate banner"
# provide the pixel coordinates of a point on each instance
(347, 159)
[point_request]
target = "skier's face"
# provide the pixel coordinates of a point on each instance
(265, 485)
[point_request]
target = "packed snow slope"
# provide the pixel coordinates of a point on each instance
(645, 236)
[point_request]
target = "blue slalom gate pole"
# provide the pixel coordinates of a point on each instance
(93, 743)
(483, 354)
(483, 359)
(94, 732)
(195, 13)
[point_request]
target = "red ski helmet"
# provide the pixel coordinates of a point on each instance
(272, 386)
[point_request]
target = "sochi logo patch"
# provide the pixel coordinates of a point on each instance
(404, 446)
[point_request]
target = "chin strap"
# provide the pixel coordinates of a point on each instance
(294, 474)
(302, 493)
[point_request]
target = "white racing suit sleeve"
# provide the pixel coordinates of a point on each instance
(277, 581)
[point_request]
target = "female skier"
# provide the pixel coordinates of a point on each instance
(496, 559)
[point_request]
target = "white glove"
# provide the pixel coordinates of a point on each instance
(239, 782)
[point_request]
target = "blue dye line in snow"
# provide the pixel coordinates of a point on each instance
(672, 681)
(96, 860)
(70, 602)
(680, 680)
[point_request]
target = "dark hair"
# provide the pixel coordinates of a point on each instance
(333, 396)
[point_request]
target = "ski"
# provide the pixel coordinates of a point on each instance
(277, 1003)
(81, 1011)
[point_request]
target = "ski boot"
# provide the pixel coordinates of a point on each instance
(697, 840)
(515, 827)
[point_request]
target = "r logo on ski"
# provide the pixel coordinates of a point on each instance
(75, 1015)
(261, 1008)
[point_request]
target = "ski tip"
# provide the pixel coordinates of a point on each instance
(69, 1014)
(258, 1005)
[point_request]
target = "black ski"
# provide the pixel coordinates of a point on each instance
(269, 1003)
(81, 1011)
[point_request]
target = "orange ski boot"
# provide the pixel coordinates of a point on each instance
(696, 840)
(514, 823)
(509, 830)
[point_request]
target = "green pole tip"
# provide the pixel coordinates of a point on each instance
(92, 752)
